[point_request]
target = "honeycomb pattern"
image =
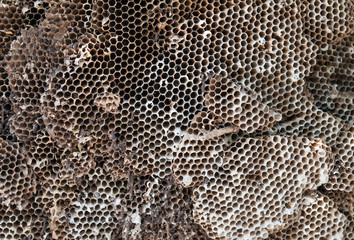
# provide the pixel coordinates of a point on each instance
(101, 207)
(29, 222)
(349, 234)
(76, 165)
(345, 203)
(328, 20)
(17, 180)
(313, 123)
(196, 160)
(11, 23)
(343, 174)
(344, 200)
(336, 133)
(87, 212)
(259, 187)
(108, 102)
(15, 16)
(319, 220)
(232, 104)
(6, 111)
(167, 119)
(331, 83)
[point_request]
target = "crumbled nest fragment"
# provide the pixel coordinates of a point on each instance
(11, 22)
(108, 101)
(134, 208)
(76, 165)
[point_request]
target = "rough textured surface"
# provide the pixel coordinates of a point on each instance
(168, 119)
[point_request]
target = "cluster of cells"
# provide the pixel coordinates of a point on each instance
(27, 223)
(350, 227)
(331, 83)
(85, 211)
(313, 123)
(316, 208)
(108, 101)
(17, 180)
(342, 177)
(11, 22)
(76, 165)
(101, 207)
(14, 17)
(168, 119)
(196, 160)
(6, 113)
(260, 185)
(230, 103)
(344, 200)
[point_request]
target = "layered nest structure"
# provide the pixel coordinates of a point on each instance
(170, 119)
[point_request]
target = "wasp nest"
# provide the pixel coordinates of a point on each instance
(168, 119)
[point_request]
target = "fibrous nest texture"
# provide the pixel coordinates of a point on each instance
(170, 119)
